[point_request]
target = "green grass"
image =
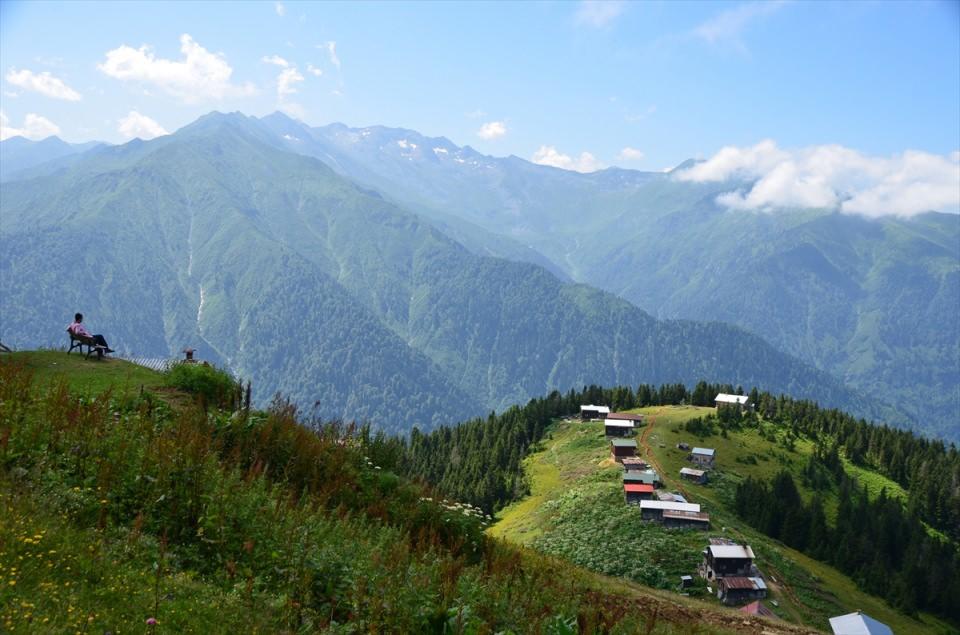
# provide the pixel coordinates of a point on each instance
(575, 510)
(113, 511)
(88, 375)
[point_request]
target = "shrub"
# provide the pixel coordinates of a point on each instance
(212, 385)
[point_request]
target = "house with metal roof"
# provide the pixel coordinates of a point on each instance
(634, 464)
(720, 561)
(626, 416)
(590, 412)
(739, 589)
(647, 477)
(690, 474)
(617, 427)
(858, 623)
(635, 492)
(738, 401)
(620, 448)
(703, 457)
(653, 509)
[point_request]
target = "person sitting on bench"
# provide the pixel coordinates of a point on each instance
(77, 328)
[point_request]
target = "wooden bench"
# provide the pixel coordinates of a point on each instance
(79, 341)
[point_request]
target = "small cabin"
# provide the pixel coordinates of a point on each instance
(636, 492)
(617, 427)
(721, 561)
(635, 419)
(654, 510)
(703, 457)
(737, 401)
(620, 448)
(634, 464)
(590, 413)
(740, 589)
(646, 477)
(690, 474)
(678, 519)
(859, 623)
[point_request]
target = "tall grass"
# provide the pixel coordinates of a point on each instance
(217, 519)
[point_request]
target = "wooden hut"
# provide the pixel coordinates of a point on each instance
(636, 492)
(620, 448)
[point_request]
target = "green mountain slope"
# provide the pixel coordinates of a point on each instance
(576, 510)
(122, 513)
(217, 238)
(19, 155)
(872, 301)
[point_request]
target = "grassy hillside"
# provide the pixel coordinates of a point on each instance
(576, 510)
(120, 514)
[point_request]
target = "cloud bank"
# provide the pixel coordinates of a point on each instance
(549, 155)
(141, 126)
(34, 127)
(492, 130)
(43, 83)
(199, 76)
(833, 177)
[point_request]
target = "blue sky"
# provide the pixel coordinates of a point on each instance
(643, 85)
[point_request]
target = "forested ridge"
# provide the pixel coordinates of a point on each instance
(882, 543)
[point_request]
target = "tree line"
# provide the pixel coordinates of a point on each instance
(480, 461)
(884, 548)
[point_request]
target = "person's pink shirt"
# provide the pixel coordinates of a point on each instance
(78, 329)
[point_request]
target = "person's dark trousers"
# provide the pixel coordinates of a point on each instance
(100, 341)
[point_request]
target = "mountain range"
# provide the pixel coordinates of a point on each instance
(343, 269)
(873, 301)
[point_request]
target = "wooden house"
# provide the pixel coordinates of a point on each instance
(740, 589)
(679, 519)
(654, 510)
(645, 477)
(703, 457)
(636, 492)
(589, 412)
(620, 448)
(633, 464)
(736, 401)
(617, 427)
(690, 474)
(635, 419)
(721, 561)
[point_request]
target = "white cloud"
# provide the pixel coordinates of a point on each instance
(11, 94)
(476, 114)
(726, 26)
(313, 70)
(199, 76)
(599, 13)
(492, 130)
(34, 127)
(280, 9)
(276, 60)
(630, 154)
(43, 83)
(141, 126)
(833, 177)
(332, 52)
(549, 155)
(286, 80)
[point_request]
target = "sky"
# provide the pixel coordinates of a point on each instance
(579, 85)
